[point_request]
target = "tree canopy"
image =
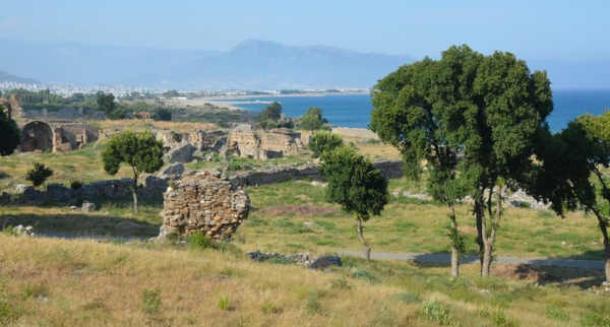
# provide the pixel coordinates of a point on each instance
(141, 151)
(312, 120)
(324, 141)
(105, 102)
(474, 116)
(9, 133)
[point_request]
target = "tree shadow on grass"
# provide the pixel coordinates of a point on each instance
(583, 270)
(82, 226)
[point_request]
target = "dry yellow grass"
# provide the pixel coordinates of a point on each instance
(368, 143)
(141, 124)
(53, 282)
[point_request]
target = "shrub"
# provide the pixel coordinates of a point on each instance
(151, 300)
(313, 305)
(312, 120)
(436, 311)
(38, 174)
(224, 303)
(236, 164)
(199, 240)
(162, 114)
(76, 185)
(322, 142)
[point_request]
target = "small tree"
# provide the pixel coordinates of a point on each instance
(312, 120)
(324, 141)
(9, 133)
(355, 184)
(105, 102)
(271, 117)
(141, 151)
(38, 174)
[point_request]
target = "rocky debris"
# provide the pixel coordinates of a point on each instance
(301, 259)
(326, 261)
(21, 230)
(183, 154)
(204, 203)
(88, 207)
(415, 196)
(173, 171)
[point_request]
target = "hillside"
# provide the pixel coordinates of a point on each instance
(6, 77)
(252, 64)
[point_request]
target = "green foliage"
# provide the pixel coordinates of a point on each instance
(271, 117)
(313, 305)
(141, 151)
(9, 133)
(38, 174)
(199, 240)
(312, 120)
(151, 300)
(162, 114)
(324, 141)
(237, 164)
(76, 185)
(436, 312)
(105, 102)
(224, 303)
(354, 183)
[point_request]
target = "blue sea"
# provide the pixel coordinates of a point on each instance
(355, 110)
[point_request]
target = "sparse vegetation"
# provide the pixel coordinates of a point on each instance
(38, 174)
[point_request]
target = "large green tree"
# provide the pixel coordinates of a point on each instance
(9, 133)
(140, 151)
(474, 119)
(355, 184)
(105, 102)
(570, 172)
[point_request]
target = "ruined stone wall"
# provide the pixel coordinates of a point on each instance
(13, 106)
(56, 137)
(204, 203)
(247, 142)
(201, 140)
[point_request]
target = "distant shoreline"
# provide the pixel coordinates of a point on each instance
(228, 101)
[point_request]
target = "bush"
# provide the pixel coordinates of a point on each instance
(200, 241)
(38, 174)
(151, 300)
(436, 311)
(76, 185)
(224, 303)
(312, 120)
(236, 164)
(162, 114)
(322, 142)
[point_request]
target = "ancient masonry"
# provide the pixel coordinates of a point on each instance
(204, 203)
(248, 142)
(56, 136)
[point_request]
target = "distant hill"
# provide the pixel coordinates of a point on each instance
(6, 77)
(252, 64)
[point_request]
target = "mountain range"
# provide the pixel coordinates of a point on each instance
(252, 64)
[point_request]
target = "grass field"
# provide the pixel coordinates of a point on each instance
(73, 283)
(117, 280)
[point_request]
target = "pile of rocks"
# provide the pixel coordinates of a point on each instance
(204, 203)
(301, 259)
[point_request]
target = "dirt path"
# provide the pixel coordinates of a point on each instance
(444, 259)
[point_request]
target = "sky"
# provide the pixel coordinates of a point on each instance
(534, 29)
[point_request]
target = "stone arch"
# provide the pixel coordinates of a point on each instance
(36, 135)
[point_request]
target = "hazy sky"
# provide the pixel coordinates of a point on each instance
(535, 29)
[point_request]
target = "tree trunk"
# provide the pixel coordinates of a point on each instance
(360, 230)
(487, 259)
(455, 246)
(134, 193)
(603, 227)
(479, 216)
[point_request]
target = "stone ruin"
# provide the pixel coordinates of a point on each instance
(56, 137)
(247, 142)
(204, 203)
(12, 105)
